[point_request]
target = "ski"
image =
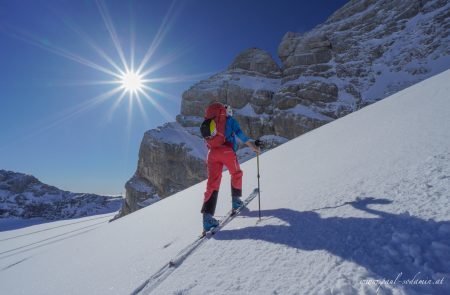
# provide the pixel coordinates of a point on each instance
(229, 216)
(150, 284)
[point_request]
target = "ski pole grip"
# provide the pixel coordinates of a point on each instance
(259, 143)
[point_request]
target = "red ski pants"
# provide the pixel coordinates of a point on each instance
(217, 158)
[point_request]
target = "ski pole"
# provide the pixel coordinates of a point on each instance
(259, 144)
(259, 189)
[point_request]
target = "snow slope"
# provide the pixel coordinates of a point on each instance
(365, 197)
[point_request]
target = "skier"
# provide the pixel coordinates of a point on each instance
(220, 130)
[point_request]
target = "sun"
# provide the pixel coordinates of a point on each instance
(133, 77)
(132, 82)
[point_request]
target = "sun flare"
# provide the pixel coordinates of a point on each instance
(130, 76)
(132, 82)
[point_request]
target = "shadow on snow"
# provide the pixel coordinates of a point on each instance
(386, 244)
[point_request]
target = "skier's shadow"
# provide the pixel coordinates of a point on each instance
(385, 244)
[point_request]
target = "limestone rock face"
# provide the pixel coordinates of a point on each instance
(256, 60)
(165, 155)
(307, 94)
(234, 86)
(301, 52)
(292, 123)
(365, 51)
(139, 194)
(170, 159)
(371, 48)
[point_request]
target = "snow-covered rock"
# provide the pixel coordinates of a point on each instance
(364, 52)
(371, 49)
(170, 159)
(24, 196)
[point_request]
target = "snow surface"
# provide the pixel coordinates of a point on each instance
(363, 198)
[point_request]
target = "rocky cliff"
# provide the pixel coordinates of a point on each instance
(364, 52)
(24, 196)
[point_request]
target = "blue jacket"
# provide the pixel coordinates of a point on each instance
(233, 130)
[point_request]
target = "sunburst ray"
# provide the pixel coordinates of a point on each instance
(30, 39)
(180, 78)
(103, 9)
(68, 114)
(163, 112)
(85, 37)
(161, 93)
(166, 24)
(136, 84)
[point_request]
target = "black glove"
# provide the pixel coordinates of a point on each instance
(259, 143)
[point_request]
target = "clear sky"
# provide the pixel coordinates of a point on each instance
(58, 60)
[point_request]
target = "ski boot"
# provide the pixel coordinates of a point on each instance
(236, 203)
(209, 222)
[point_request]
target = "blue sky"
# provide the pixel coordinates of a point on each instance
(50, 125)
